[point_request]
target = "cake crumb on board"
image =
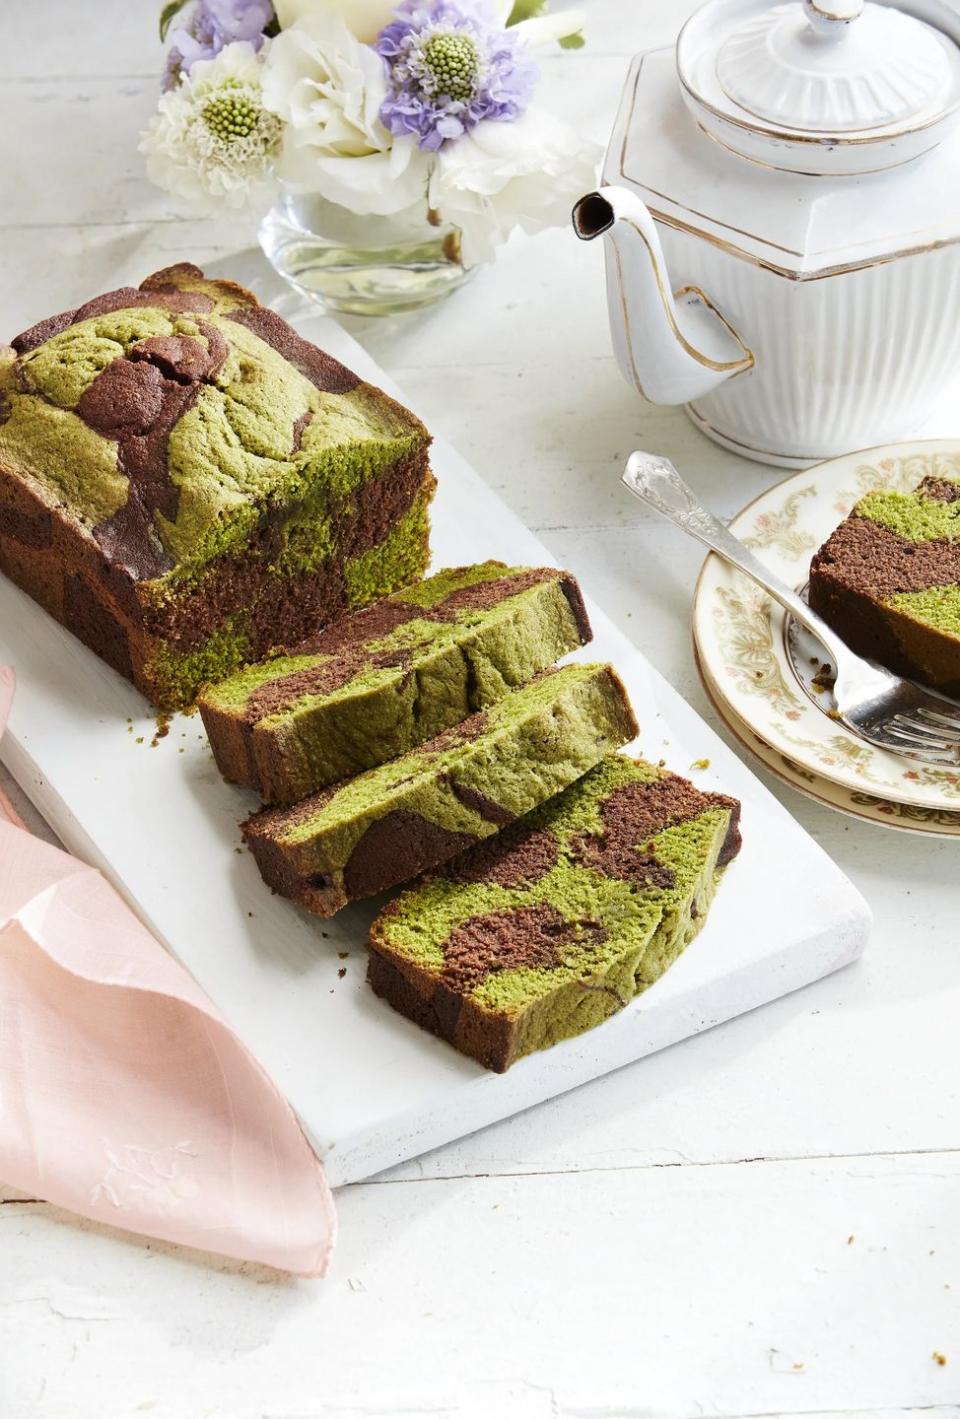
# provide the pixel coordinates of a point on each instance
(162, 729)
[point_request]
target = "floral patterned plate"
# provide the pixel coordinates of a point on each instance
(755, 667)
(932, 822)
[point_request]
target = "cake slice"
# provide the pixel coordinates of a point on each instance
(186, 483)
(383, 680)
(888, 581)
(393, 822)
(545, 931)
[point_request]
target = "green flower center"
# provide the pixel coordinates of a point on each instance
(231, 116)
(454, 62)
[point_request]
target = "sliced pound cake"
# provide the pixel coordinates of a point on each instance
(888, 581)
(557, 923)
(386, 826)
(390, 677)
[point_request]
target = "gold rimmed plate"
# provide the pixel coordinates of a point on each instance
(765, 679)
(854, 802)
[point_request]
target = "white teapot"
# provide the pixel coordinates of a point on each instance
(782, 222)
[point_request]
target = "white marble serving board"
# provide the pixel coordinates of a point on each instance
(371, 1088)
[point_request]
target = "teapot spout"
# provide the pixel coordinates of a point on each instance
(673, 347)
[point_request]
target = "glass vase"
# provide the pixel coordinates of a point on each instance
(362, 265)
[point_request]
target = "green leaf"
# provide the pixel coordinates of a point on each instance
(168, 14)
(573, 41)
(526, 10)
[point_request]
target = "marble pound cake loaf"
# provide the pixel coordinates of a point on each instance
(186, 483)
(390, 824)
(385, 679)
(888, 581)
(545, 931)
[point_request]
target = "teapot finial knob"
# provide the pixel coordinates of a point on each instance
(830, 18)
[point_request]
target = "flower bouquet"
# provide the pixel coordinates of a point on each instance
(401, 143)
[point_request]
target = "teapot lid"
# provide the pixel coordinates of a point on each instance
(810, 75)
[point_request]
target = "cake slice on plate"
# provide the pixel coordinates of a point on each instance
(557, 923)
(888, 581)
(390, 677)
(393, 822)
(186, 483)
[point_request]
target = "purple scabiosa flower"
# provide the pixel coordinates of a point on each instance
(211, 26)
(450, 65)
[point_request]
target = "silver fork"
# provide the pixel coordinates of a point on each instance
(891, 713)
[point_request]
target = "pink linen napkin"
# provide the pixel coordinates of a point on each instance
(124, 1095)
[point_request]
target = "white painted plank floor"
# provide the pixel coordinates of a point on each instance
(760, 1221)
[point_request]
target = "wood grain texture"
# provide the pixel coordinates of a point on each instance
(755, 1289)
(549, 1267)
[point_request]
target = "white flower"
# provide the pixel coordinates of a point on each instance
(211, 140)
(327, 88)
(501, 176)
(539, 29)
(364, 18)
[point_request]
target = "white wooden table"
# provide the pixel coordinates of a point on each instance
(760, 1221)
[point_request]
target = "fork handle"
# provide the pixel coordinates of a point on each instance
(655, 481)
